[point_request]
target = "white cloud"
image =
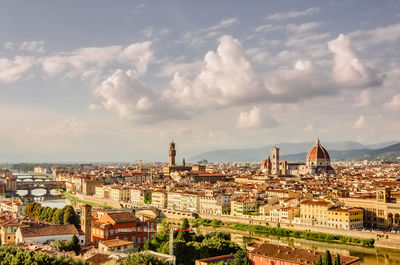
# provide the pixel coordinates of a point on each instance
(302, 81)
(394, 103)
(151, 32)
(360, 123)
(293, 14)
(364, 99)
(348, 69)
(302, 28)
(86, 61)
(254, 118)
(189, 68)
(386, 34)
(225, 23)
(227, 77)
(123, 93)
(27, 46)
(13, 70)
(200, 36)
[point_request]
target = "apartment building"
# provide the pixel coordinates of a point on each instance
(345, 218)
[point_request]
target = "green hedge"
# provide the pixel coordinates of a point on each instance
(277, 231)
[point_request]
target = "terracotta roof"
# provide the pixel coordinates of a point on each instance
(216, 259)
(317, 152)
(98, 258)
(49, 230)
(315, 202)
(116, 242)
(296, 255)
(122, 217)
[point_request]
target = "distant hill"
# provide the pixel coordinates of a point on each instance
(297, 152)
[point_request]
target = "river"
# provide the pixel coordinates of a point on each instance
(39, 193)
(368, 256)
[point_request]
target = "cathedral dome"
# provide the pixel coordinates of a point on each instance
(317, 154)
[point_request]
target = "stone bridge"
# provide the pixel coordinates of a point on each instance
(47, 185)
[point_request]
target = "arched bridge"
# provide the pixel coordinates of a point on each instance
(47, 185)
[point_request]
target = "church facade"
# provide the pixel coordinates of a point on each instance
(317, 162)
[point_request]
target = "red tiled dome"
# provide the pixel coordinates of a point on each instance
(317, 152)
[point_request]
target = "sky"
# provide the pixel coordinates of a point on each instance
(101, 80)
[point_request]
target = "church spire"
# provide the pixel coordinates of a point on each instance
(317, 142)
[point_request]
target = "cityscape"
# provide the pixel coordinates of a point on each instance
(199, 133)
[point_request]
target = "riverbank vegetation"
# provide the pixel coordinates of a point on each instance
(11, 256)
(66, 215)
(188, 247)
(71, 197)
(283, 232)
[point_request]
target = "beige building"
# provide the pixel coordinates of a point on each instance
(241, 206)
(103, 192)
(89, 186)
(159, 199)
(381, 212)
(175, 200)
(116, 246)
(137, 196)
(314, 213)
(119, 193)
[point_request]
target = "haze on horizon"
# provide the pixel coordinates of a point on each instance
(105, 81)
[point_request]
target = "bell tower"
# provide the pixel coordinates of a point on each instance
(275, 161)
(86, 223)
(172, 154)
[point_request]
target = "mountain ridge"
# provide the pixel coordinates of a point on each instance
(346, 150)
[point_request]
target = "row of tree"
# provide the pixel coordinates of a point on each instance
(188, 247)
(327, 260)
(14, 256)
(67, 246)
(66, 215)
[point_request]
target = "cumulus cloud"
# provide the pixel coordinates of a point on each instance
(27, 46)
(360, 123)
(226, 77)
(348, 69)
(86, 61)
(364, 99)
(293, 14)
(254, 118)
(12, 70)
(123, 93)
(302, 81)
(394, 103)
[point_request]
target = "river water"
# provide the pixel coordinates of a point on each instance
(39, 193)
(368, 256)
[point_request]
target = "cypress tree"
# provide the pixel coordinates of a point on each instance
(327, 258)
(337, 260)
(319, 262)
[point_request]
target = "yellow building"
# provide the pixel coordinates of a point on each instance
(118, 193)
(8, 229)
(314, 213)
(345, 218)
(240, 206)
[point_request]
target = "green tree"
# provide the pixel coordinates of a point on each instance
(327, 258)
(319, 262)
(241, 258)
(337, 260)
(70, 217)
(74, 244)
(143, 259)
